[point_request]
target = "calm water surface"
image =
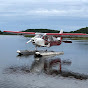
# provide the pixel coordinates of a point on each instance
(11, 64)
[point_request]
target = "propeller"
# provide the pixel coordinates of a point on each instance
(28, 41)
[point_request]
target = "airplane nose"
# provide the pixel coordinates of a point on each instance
(33, 41)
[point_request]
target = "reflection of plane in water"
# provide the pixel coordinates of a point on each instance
(50, 66)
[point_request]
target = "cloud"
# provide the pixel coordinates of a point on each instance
(44, 7)
(43, 13)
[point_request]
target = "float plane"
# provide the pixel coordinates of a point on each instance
(49, 39)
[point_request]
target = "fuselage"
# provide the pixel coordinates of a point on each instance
(45, 43)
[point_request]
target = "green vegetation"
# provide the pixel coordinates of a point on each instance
(1, 32)
(82, 30)
(43, 31)
(79, 38)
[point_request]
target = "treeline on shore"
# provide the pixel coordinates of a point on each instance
(82, 30)
(1, 32)
(42, 30)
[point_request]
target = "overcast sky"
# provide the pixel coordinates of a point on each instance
(17, 15)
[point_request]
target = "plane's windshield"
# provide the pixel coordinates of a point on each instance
(39, 36)
(50, 38)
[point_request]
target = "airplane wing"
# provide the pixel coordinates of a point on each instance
(16, 32)
(68, 35)
(63, 35)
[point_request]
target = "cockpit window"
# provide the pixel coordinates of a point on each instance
(39, 36)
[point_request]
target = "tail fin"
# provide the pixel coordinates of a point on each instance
(61, 31)
(60, 38)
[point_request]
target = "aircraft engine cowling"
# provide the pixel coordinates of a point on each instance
(38, 42)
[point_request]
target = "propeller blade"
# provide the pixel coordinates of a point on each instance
(28, 41)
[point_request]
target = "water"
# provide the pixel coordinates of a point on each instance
(14, 69)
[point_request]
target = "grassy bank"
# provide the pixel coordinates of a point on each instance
(79, 38)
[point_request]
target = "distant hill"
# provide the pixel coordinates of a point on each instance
(82, 30)
(42, 30)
